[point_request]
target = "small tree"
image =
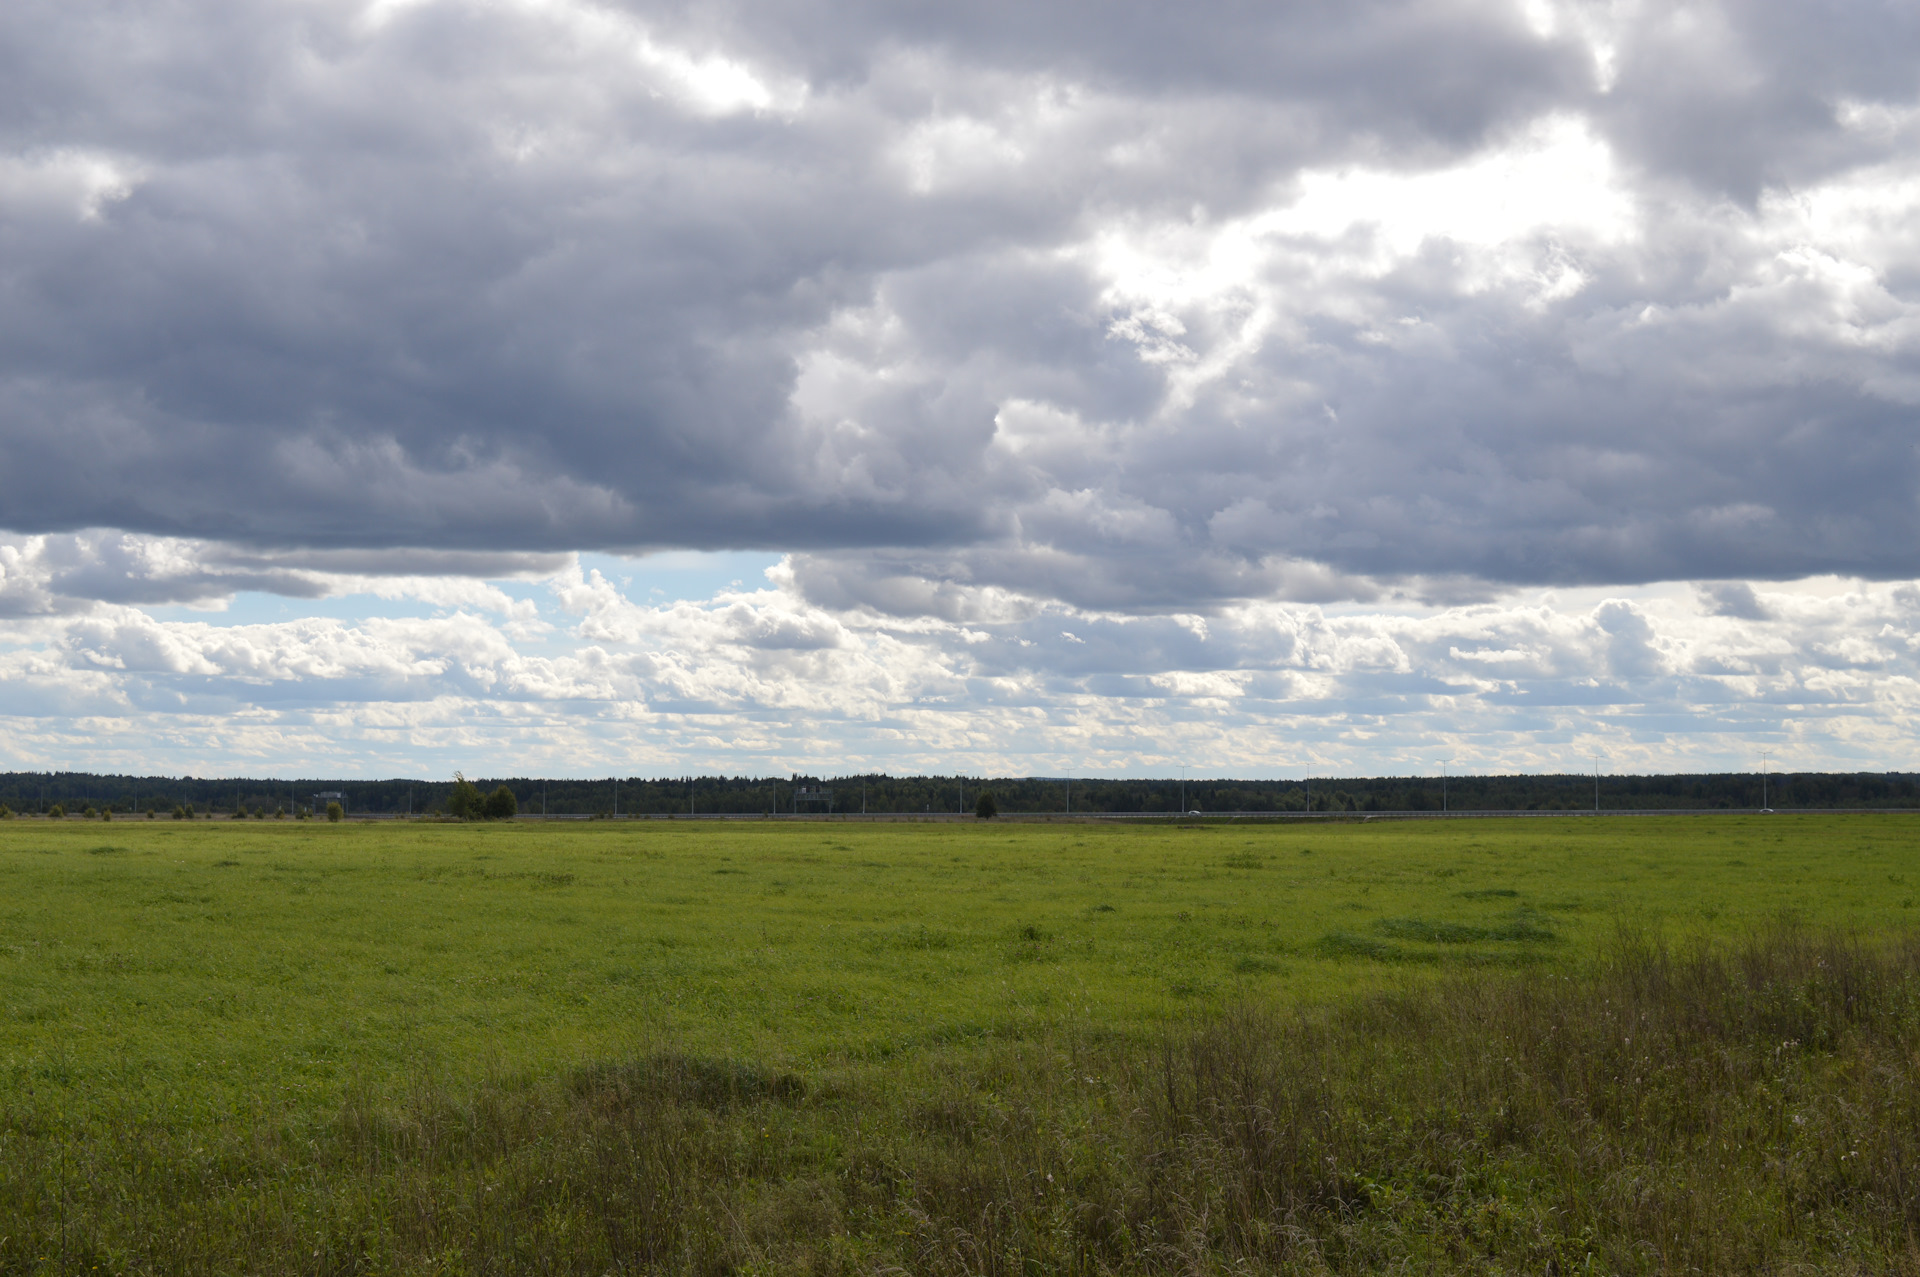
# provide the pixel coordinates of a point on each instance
(502, 805)
(6, 812)
(106, 813)
(465, 803)
(279, 813)
(334, 813)
(986, 808)
(57, 812)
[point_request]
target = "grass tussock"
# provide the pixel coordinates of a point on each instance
(1749, 1109)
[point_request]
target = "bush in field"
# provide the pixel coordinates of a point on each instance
(6, 812)
(501, 805)
(986, 808)
(106, 813)
(465, 803)
(334, 813)
(57, 812)
(279, 813)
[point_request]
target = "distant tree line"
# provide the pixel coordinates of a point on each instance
(34, 793)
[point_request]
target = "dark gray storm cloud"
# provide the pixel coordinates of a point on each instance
(1138, 307)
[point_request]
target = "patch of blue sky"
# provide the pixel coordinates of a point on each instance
(649, 580)
(672, 576)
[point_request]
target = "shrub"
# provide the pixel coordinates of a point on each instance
(465, 803)
(57, 812)
(149, 813)
(986, 808)
(279, 813)
(6, 812)
(106, 813)
(89, 813)
(334, 813)
(502, 805)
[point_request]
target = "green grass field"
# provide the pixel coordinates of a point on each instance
(256, 980)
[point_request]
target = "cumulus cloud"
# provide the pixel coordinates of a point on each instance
(71, 573)
(1149, 310)
(577, 676)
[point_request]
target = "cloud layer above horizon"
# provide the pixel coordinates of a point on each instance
(559, 667)
(1230, 342)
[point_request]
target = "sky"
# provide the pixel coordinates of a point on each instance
(759, 386)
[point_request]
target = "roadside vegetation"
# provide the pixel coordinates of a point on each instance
(1650, 1046)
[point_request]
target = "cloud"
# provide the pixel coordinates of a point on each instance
(71, 573)
(1299, 387)
(1157, 310)
(573, 674)
(1734, 598)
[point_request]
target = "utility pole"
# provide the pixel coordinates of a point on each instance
(1443, 785)
(1596, 784)
(1763, 779)
(616, 798)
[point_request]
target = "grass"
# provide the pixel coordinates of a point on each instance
(702, 1047)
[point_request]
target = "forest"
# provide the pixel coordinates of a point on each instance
(882, 794)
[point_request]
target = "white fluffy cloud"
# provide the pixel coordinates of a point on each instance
(570, 674)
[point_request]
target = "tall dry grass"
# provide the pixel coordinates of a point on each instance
(1750, 1110)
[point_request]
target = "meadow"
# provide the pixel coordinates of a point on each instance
(834, 1046)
